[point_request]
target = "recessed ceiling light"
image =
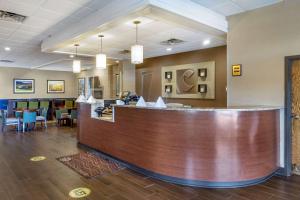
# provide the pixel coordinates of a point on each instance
(71, 56)
(169, 49)
(7, 48)
(206, 42)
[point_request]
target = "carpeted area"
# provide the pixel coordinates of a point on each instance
(90, 165)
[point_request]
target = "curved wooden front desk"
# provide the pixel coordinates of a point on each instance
(197, 147)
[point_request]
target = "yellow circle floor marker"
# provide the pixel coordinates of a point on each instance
(37, 158)
(80, 192)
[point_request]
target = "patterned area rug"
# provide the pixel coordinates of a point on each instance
(90, 165)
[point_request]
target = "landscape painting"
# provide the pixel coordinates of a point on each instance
(56, 86)
(23, 86)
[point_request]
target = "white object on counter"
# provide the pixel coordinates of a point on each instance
(81, 99)
(120, 102)
(91, 100)
(141, 102)
(160, 103)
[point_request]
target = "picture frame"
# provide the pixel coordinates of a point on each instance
(236, 70)
(81, 86)
(23, 86)
(55, 86)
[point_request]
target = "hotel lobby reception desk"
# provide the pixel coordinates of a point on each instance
(196, 147)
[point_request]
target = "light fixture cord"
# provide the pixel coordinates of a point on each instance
(101, 44)
(76, 51)
(136, 34)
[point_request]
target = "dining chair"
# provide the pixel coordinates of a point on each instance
(43, 117)
(29, 118)
(73, 117)
(61, 115)
(6, 121)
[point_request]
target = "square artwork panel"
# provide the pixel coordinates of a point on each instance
(186, 81)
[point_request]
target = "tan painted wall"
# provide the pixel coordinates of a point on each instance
(154, 65)
(41, 76)
(259, 40)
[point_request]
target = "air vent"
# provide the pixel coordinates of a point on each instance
(6, 61)
(124, 52)
(11, 17)
(172, 41)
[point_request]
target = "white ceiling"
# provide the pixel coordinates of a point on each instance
(49, 17)
(44, 17)
(231, 7)
(151, 33)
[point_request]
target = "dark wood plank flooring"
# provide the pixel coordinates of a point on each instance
(49, 179)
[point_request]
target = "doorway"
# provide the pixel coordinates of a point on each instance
(292, 115)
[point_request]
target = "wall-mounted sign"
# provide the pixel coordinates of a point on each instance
(236, 70)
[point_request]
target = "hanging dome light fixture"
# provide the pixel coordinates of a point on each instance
(101, 57)
(76, 62)
(137, 51)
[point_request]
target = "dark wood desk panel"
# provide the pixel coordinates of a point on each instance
(221, 146)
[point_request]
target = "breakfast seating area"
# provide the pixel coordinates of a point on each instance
(25, 114)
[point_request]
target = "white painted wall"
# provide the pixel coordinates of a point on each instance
(260, 40)
(41, 76)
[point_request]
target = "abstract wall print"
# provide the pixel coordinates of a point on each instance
(186, 81)
(24, 86)
(195, 81)
(55, 86)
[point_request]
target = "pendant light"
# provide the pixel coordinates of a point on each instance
(137, 55)
(101, 57)
(76, 62)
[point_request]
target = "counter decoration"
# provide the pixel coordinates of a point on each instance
(81, 99)
(141, 102)
(160, 103)
(91, 100)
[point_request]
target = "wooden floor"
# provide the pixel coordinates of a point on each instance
(49, 179)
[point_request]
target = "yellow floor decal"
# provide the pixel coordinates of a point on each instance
(79, 193)
(37, 158)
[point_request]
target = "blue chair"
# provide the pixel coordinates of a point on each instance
(43, 117)
(29, 118)
(5, 121)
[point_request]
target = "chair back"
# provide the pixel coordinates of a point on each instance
(73, 114)
(18, 114)
(22, 105)
(29, 117)
(44, 104)
(58, 114)
(33, 105)
(3, 116)
(44, 112)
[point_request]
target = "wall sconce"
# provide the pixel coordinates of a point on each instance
(202, 72)
(168, 89)
(202, 88)
(168, 75)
